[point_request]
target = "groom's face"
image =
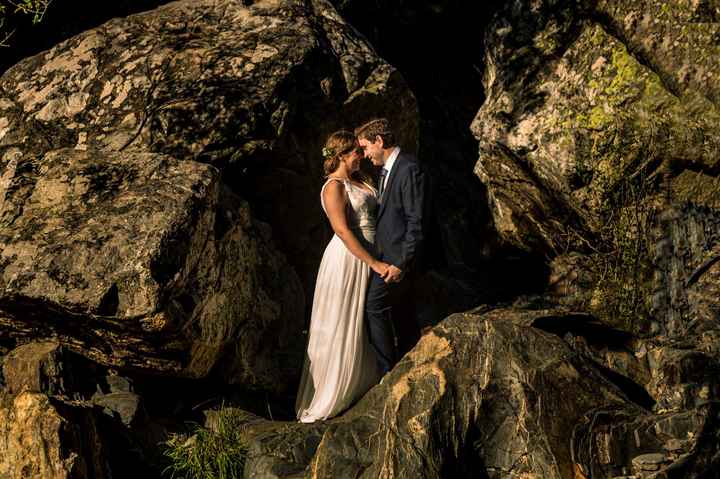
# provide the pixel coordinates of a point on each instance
(373, 150)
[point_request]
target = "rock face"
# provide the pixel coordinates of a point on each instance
(60, 23)
(573, 108)
(58, 422)
(597, 143)
(253, 91)
(596, 129)
(43, 432)
(136, 158)
(37, 367)
(493, 394)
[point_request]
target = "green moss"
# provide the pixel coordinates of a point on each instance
(615, 125)
(628, 131)
(598, 118)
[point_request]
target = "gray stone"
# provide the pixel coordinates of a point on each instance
(649, 462)
(125, 405)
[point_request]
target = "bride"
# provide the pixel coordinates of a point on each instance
(340, 365)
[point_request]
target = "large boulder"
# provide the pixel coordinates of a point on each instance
(495, 393)
(140, 260)
(574, 110)
(136, 159)
(596, 128)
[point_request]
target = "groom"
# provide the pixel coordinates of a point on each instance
(398, 238)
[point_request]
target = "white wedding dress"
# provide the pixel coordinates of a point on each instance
(340, 365)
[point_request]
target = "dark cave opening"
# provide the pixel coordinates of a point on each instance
(439, 48)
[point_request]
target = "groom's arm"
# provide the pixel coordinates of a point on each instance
(413, 199)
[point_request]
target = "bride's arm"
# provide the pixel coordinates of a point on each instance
(335, 201)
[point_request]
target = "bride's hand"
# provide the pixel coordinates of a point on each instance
(380, 268)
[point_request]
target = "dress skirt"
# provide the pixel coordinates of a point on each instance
(340, 365)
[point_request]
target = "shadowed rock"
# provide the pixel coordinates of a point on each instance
(139, 260)
(36, 367)
(572, 111)
(491, 395)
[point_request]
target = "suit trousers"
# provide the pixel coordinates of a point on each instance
(389, 319)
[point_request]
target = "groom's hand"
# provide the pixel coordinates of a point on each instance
(394, 274)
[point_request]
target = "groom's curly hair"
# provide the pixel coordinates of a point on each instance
(377, 127)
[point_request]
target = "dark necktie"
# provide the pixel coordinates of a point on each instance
(381, 182)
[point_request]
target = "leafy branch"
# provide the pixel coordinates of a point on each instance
(17, 8)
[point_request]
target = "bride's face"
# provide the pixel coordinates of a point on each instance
(352, 160)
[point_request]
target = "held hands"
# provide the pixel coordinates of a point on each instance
(390, 273)
(394, 274)
(380, 268)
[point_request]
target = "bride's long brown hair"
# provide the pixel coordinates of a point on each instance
(337, 145)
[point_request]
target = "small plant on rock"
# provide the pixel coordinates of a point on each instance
(217, 453)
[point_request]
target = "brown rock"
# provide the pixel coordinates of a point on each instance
(40, 438)
(122, 152)
(36, 367)
(253, 90)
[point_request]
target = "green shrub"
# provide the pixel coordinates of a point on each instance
(209, 454)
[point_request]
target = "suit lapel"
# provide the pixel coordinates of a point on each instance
(388, 187)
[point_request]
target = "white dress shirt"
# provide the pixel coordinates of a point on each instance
(389, 164)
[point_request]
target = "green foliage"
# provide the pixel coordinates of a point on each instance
(14, 10)
(209, 454)
(624, 265)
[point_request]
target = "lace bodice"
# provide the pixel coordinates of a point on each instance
(361, 207)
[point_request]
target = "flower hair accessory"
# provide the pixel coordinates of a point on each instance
(328, 152)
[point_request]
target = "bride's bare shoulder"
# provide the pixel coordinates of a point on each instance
(333, 188)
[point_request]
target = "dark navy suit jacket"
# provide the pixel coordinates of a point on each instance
(399, 224)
